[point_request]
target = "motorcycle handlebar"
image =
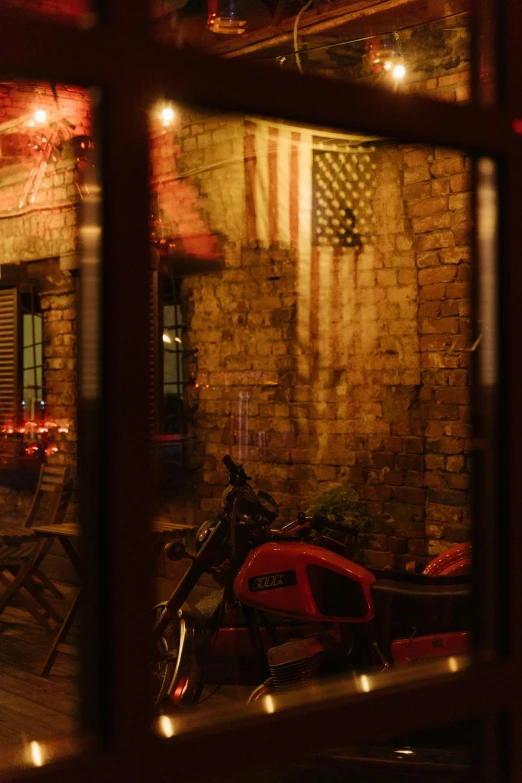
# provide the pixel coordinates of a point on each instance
(238, 476)
(230, 464)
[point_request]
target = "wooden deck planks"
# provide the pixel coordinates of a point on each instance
(34, 707)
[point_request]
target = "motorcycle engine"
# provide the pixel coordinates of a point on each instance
(297, 661)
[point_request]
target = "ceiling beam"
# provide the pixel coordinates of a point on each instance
(365, 17)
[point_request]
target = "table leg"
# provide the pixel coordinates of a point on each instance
(61, 635)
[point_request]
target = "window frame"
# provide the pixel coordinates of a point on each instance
(116, 620)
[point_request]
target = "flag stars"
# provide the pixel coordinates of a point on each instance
(342, 188)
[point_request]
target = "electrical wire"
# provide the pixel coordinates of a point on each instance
(296, 52)
(296, 28)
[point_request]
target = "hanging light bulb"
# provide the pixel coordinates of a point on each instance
(166, 338)
(40, 115)
(399, 71)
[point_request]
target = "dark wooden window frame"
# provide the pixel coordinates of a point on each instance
(130, 69)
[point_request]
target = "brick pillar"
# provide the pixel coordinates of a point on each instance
(59, 335)
(438, 203)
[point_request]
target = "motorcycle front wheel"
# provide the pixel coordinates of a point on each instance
(176, 673)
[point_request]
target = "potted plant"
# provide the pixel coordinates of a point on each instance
(341, 505)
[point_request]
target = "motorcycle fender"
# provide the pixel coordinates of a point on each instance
(186, 681)
(423, 648)
(455, 561)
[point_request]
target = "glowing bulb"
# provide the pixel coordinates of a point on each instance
(166, 726)
(36, 754)
(40, 115)
(177, 339)
(453, 665)
(399, 71)
(269, 705)
(166, 338)
(388, 65)
(167, 115)
(365, 683)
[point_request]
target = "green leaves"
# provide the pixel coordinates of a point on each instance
(341, 504)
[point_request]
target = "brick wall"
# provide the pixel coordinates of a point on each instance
(379, 396)
(452, 87)
(47, 229)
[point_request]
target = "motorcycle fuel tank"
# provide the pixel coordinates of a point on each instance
(305, 581)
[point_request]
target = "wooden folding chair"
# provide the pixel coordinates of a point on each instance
(22, 549)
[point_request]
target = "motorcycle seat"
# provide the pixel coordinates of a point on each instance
(407, 604)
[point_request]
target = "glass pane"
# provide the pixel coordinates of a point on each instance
(426, 49)
(46, 192)
(325, 283)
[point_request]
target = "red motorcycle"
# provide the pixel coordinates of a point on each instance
(293, 606)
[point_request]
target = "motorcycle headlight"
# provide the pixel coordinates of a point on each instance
(203, 533)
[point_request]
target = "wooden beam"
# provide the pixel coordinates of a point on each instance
(363, 17)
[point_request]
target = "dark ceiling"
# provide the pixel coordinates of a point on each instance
(270, 23)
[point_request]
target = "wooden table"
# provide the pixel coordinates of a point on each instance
(64, 533)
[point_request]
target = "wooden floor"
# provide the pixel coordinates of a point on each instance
(34, 708)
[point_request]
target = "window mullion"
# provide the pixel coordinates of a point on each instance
(127, 19)
(510, 14)
(200, 79)
(342, 722)
(126, 475)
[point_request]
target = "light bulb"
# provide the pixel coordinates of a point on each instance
(40, 115)
(166, 726)
(36, 754)
(388, 65)
(166, 338)
(167, 115)
(399, 71)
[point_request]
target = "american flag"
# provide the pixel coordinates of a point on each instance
(311, 193)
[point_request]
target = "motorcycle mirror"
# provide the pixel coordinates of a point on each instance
(176, 550)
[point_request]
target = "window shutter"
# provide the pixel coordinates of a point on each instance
(9, 356)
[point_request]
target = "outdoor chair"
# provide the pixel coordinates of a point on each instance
(22, 549)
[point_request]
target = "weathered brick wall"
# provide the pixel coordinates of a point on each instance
(439, 202)
(47, 229)
(383, 399)
(59, 335)
(451, 87)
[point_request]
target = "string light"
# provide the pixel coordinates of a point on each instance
(167, 115)
(166, 726)
(166, 338)
(36, 754)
